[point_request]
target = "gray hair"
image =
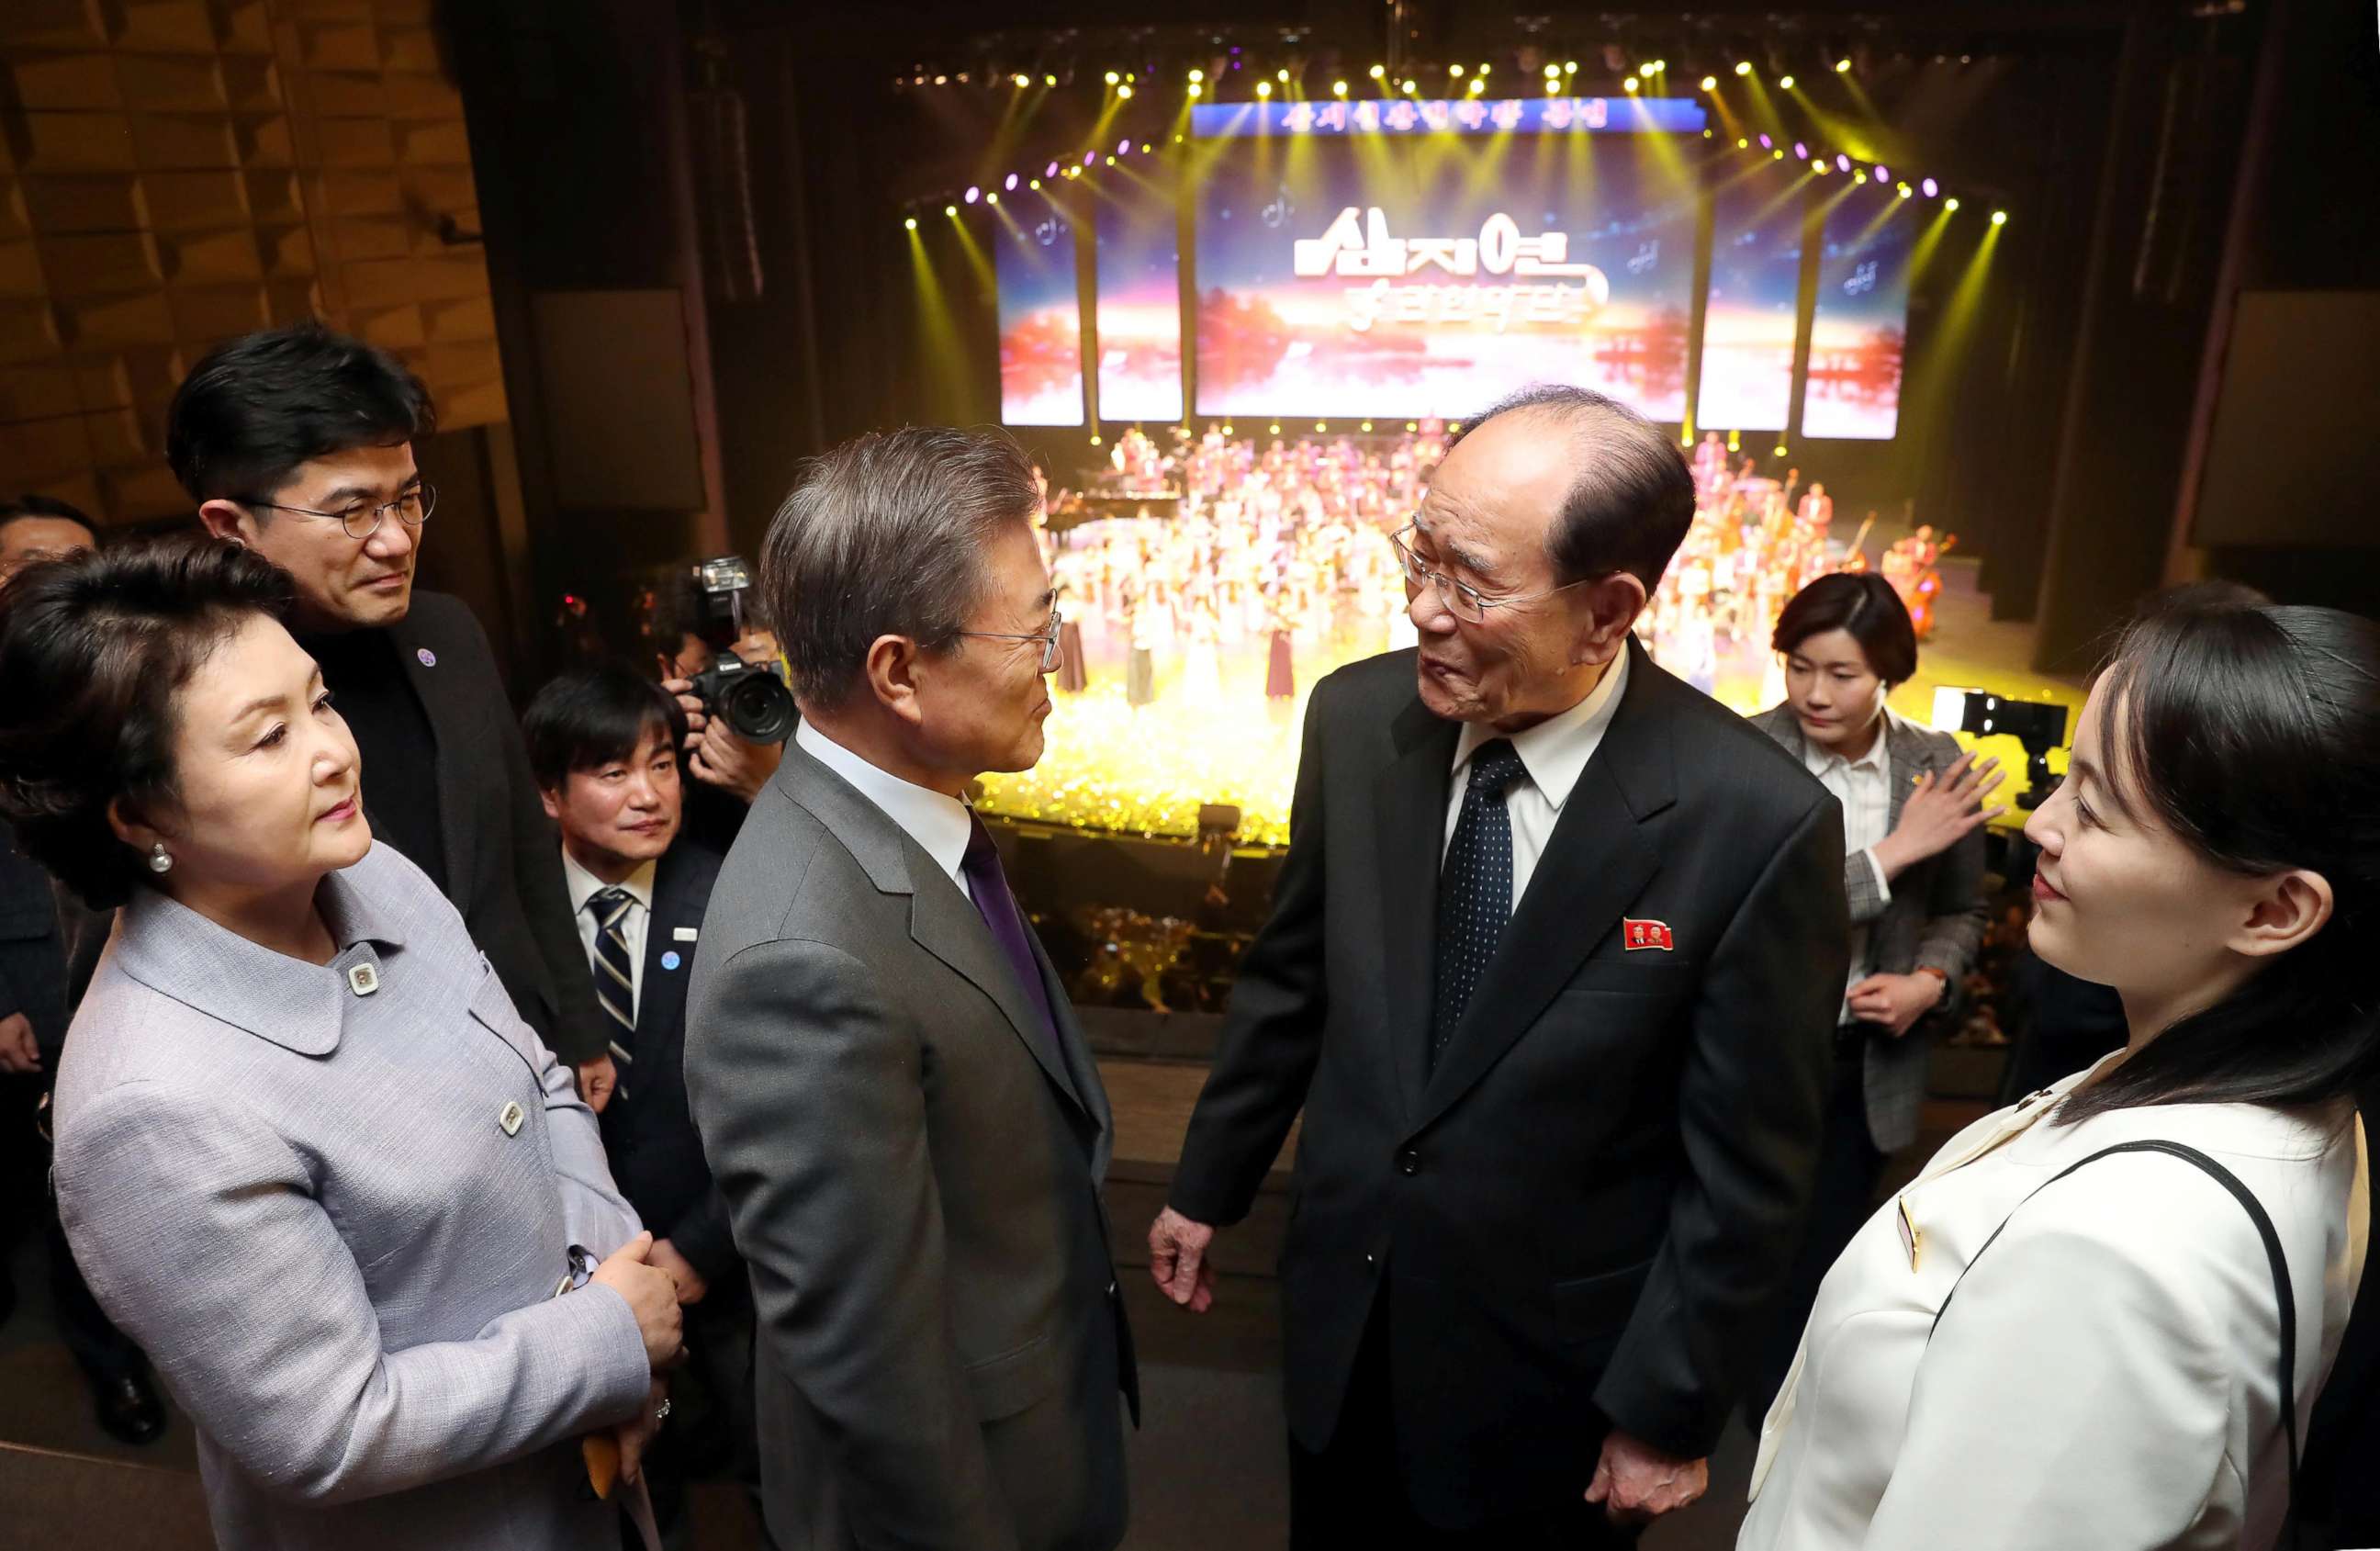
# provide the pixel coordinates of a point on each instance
(884, 536)
(1632, 500)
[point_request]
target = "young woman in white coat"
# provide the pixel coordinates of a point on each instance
(2111, 1373)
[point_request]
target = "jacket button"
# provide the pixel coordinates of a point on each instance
(1409, 1162)
(1371, 1261)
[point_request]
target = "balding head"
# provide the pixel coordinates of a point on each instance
(1629, 498)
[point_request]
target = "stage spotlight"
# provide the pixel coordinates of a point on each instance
(1339, 88)
(941, 80)
(1744, 66)
(1050, 171)
(1413, 86)
(1146, 148)
(1645, 69)
(1553, 72)
(1379, 70)
(1114, 78)
(1322, 425)
(1477, 85)
(1197, 75)
(1264, 89)
(1818, 166)
(1281, 76)
(1999, 218)
(1123, 145)
(1628, 85)
(1842, 67)
(1780, 449)
(991, 199)
(1110, 161)
(1929, 188)
(1743, 144)
(1905, 191)
(1024, 80)
(1196, 90)
(1710, 83)
(1227, 428)
(1367, 425)
(1842, 162)
(1454, 70)
(1569, 67)
(1412, 425)
(1766, 143)
(1034, 184)
(1274, 429)
(1482, 70)
(911, 224)
(1950, 204)
(951, 210)
(1049, 81)
(1777, 154)
(1073, 172)
(1801, 151)
(973, 193)
(1010, 184)
(1455, 428)
(1881, 176)
(1095, 438)
(1124, 91)
(1786, 82)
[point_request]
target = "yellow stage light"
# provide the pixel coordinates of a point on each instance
(1780, 449)
(1339, 88)
(1454, 70)
(1412, 425)
(1743, 144)
(1036, 183)
(950, 210)
(1095, 438)
(1114, 78)
(1906, 190)
(1645, 69)
(1553, 72)
(911, 224)
(1227, 428)
(1281, 76)
(1482, 70)
(1785, 81)
(1124, 91)
(1659, 65)
(1274, 428)
(1950, 205)
(1024, 81)
(1322, 425)
(1110, 161)
(1264, 89)
(1197, 75)
(1196, 90)
(1999, 218)
(1477, 85)
(1842, 67)
(1744, 66)
(1710, 83)
(991, 199)
(1628, 85)
(1379, 70)
(1049, 81)
(1367, 425)
(1778, 155)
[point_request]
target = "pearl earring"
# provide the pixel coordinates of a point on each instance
(160, 859)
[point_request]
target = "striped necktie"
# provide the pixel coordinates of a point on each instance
(616, 977)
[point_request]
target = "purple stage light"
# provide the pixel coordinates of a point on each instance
(1929, 188)
(1010, 184)
(1123, 145)
(1883, 177)
(1050, 171)
(973, 193)
(1801, 151)
(1842, 162)
(1765, 144)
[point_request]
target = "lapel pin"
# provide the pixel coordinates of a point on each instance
(1646, 934)
(670, 959)
(429, 658)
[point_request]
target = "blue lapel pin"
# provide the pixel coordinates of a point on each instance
(670, 959)
(429, 658)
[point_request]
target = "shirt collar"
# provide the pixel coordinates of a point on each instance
(937, 821)
(1556, 750)
(584, 885)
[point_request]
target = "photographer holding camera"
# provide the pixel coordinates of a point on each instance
(738, 711)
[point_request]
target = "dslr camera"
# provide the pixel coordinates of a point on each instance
(750, 698)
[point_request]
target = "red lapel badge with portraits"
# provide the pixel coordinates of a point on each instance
(1646, 934)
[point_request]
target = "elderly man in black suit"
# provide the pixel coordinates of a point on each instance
(297, 442)
(35, 999)
(602, 746)
(1552, 972)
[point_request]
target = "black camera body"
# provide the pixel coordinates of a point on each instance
(750, 698)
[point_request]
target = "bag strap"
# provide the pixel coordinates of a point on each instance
(2281, 1289)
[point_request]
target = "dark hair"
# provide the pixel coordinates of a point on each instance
(884, 536)
(1632, 499)
(95, 649)
(257, 406)
(29, 505)
(1861, 605)
(593, 716)
(2252, 732)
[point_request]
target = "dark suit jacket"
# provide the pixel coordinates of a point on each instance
(1577, 1215)
(656, 1156)
(32, 950)
(1935, 917)
(914, 1172)
(500, 863)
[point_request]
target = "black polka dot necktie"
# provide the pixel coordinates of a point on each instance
(1475, 888)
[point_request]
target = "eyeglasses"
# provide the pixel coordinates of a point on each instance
(1049, 639)
(1461, 599)
(360, 521)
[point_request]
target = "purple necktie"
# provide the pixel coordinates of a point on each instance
(998, 907)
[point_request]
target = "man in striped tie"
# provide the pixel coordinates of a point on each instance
(602, 746)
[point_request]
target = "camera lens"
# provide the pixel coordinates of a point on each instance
(758, 708)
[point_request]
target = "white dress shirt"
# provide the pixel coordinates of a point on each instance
(585, 886)
(2107, 1377)
(1863, 787)
(1553, 753)
(936, 820)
